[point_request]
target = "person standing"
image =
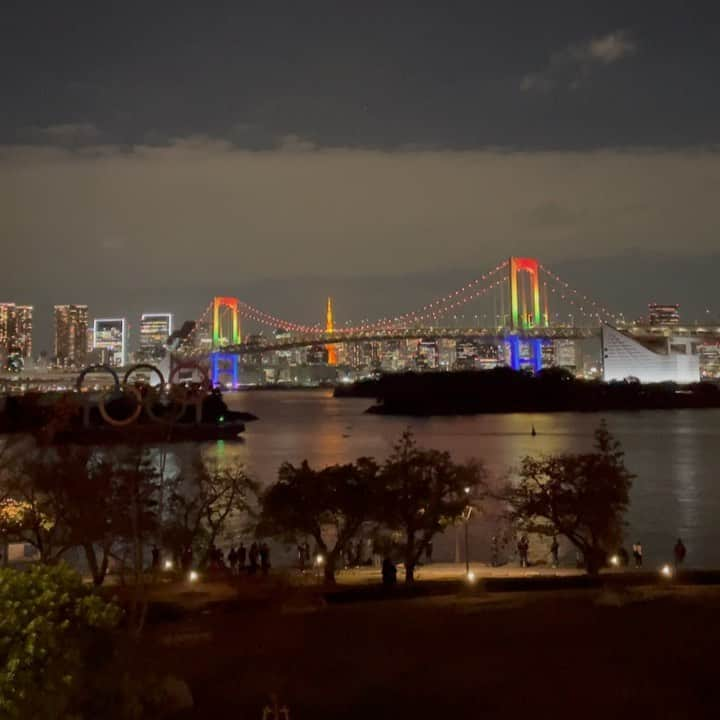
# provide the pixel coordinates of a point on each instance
(637, 551)
(232, 559)
(242, 557)
(428, 552)
(389, 572)
(253, 556)
(494, 551)
(679, 551)
(187, 558)
(301, 557)
(523, 550)
(264, 558)
(623, 556)
(555, 552)
(155, 558)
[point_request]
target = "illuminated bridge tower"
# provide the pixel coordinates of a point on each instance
(525, 312)
(225, 331)
(329, 329)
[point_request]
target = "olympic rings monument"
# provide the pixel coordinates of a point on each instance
(170, 410)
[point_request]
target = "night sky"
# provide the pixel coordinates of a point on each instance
(153, 154)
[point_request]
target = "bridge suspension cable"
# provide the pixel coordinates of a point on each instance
(434, 310)
(441, 306)
(580, 301)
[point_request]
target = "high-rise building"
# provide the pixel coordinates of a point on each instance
(155, 329)
(71, 335)
(565, 354)
(663, 314)
(16, 323)
(109, 337)
(6, 312)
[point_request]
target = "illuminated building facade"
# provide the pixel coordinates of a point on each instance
(109, 336)
(428, 355)
(16, 325)
(624, 357)
(155, 330)
(663, 314)
(709, 359)
(71, 335)
(565, 354)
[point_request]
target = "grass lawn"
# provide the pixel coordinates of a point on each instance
(650, 652)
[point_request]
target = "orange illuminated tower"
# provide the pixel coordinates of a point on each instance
(329, 329)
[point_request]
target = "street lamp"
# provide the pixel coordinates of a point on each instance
(467, 512)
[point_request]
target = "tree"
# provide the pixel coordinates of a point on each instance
(137, 491)
(55, 641)
(305, 501)
(32, 509)
(201, 503)
(581, 496)
(424, 491)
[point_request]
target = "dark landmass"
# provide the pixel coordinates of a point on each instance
(503, 390)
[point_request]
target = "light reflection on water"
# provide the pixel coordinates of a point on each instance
(673, 453)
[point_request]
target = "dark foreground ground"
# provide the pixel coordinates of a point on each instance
(643, 652)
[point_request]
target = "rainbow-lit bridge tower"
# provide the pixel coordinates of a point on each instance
(526, 313)
(225, 331)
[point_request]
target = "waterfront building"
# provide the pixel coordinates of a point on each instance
(446, 353)
(565, 355)
(659, 314)
(71, 335)
(709, 353)
(624, 357)
(428, 355)
(109, 334)
(16, 324)
(155, 330)
(317, 355)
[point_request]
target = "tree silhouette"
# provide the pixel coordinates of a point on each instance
(581, 496)
(303, 501)
(424, 491)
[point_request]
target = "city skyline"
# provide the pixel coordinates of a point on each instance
(45, 340)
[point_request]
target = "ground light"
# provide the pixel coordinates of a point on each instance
(193, 576)
(319, 560)
(615, 561)
(471, 577)
(168, 564)
(666, 571)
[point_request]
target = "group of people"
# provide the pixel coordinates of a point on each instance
(623, 559)
(238, 559)
(252, 560)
